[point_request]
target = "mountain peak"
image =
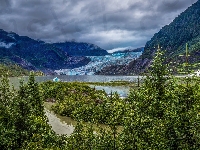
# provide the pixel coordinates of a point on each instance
(45, 56)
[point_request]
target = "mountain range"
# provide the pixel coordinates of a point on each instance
(37, 55)
(185, 28)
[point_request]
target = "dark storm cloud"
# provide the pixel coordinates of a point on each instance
(109, 24)
(5, 5)
(173, 5)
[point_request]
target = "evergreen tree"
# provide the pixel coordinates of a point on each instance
(165, 113)
(7, 128)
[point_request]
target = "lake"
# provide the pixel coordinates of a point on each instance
(84, 78)
(121, 90)
(65, 125)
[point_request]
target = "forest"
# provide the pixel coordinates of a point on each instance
(12, 70)
(163, 113)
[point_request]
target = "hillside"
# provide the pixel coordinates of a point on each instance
(173, 37)
(12, 70)
(38, 55)
(184, 29)
(81, 49)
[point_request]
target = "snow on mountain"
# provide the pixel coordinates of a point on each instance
(6, 45)
(11, 34)
(99, 62)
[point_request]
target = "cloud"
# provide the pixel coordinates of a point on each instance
(108, 24)
(119, 49)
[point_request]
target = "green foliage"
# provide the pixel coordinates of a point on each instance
(81, 102)
(161, 114)
(22, 121)
(7, 128)
(12, 70)
(85, 137)
(184, 69)
(165, 112)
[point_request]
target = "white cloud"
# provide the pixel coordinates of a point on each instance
(119, 49)
(109, 24)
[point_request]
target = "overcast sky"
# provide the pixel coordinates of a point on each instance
(107, 23)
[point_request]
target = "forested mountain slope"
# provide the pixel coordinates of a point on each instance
(172, 38)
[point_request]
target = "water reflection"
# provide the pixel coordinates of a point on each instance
(61, 125)
(66, 125)
(83, 78)
(121, 90)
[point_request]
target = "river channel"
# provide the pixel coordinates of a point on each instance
(66, 125)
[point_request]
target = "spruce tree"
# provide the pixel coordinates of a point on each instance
(166, 112)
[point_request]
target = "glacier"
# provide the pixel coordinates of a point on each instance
(99, 62)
